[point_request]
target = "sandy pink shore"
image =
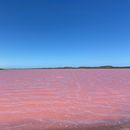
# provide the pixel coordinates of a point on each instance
(64, 99)
(124, 126)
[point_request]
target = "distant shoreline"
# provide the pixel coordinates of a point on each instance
(80, 67)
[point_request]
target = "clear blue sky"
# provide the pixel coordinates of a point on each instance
(50, 33)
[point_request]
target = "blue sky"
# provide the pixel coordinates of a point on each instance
(50, 33)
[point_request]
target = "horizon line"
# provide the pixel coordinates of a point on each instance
(65, 67)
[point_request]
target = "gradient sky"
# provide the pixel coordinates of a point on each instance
(50, 33)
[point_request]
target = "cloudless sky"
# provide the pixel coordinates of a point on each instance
(50, 33)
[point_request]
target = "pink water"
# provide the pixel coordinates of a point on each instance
(59, 98)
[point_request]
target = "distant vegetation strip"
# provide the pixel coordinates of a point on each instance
(81, 67)
(87, 67)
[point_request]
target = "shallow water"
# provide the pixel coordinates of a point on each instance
(66, 98)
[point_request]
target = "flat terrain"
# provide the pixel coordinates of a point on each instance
(65, 99)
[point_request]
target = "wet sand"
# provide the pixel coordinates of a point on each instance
(67, 99)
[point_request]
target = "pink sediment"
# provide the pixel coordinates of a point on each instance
(69, 99)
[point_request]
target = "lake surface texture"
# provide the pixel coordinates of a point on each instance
(65, 99)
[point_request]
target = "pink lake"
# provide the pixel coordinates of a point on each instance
(47, 99)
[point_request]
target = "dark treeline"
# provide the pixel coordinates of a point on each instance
(80, 67)
(87, 67)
